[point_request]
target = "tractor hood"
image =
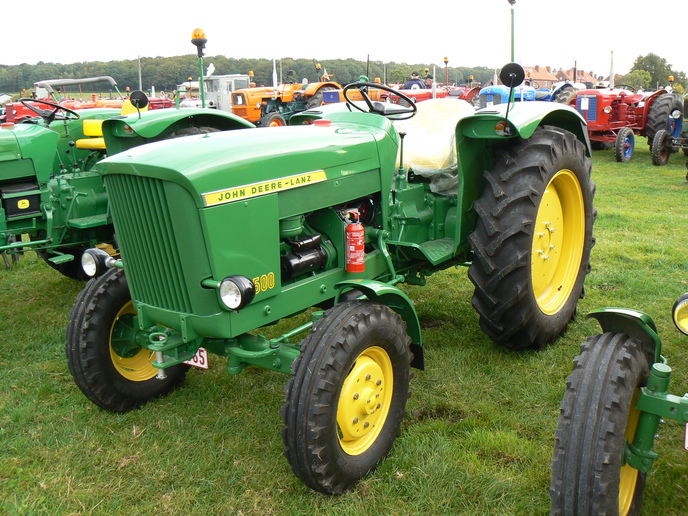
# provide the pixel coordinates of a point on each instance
(211, 165)
(27, 141)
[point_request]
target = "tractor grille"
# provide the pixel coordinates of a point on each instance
(590, 114)
(146, 234)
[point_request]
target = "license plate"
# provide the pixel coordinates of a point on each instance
(200, 359)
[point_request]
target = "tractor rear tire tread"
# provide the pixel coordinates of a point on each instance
(502, 240)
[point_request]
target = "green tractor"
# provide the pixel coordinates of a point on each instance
(53, 201)
(226, 233)
(616, 397)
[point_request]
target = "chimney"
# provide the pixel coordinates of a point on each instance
(537, 68)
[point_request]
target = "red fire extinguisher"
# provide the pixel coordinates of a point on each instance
(355, 244)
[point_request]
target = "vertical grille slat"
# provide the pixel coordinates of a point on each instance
(143, 223)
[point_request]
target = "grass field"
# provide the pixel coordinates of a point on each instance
(479, 429)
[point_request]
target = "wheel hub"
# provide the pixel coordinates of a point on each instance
(364, 401)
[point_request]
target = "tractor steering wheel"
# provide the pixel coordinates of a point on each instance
(47, 115)
(386, 109)
(624, 87)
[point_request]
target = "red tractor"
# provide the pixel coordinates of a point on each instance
(615, 115)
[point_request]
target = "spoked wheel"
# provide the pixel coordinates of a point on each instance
(533, 239)
(107, 364)
(661, 148)
(624, 145)
(597, 417)
(347, 395)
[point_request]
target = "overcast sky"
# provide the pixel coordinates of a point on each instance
(470, 33)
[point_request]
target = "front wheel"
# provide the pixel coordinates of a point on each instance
(107, 364)
(532, 239)
(273, 119)
(597, 417)
(661, 148)
(624, 145)
(347, 395)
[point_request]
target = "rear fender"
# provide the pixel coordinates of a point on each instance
(634, 323)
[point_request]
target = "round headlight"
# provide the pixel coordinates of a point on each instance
(95, 262)
(676, 114)
(236, 292)
(89, 263)
(680, 313)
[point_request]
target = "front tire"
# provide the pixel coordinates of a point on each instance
(107, 365)
(533, 239)
(661, 148)
(347, 395)
(597, 416)
(273, 119)
(624, 145)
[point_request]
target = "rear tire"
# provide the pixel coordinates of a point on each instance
(347, 395)
(103, 357)
(533, 239)
(659, 117)
(318, 98)
(624, 145)
(597, 416)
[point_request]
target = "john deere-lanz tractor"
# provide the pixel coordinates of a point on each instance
(226, 233)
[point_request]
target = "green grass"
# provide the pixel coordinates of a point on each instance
(479, 430)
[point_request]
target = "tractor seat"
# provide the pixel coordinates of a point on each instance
(430, 142)
(93, 128)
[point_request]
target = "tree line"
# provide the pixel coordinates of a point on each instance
(165, 73)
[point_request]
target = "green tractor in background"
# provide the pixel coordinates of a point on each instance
(49, 189)
(225, 233)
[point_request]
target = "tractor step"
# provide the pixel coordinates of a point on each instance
(88, 222)
(434, 251)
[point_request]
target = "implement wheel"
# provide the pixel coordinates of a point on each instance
(347, 395)
(597, 417)
(107, 364)
(533, 239)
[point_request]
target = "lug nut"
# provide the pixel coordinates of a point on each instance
(356, 396)
(355, 420)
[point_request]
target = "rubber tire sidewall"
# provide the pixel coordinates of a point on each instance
(620, 154)
(502, 241)
(310, 411)
(88, 348)
(660, 154)
(590, 437)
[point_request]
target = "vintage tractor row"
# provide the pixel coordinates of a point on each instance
(50, 193)
(55, 91)
(229, 232)
(616, 115)
(616, 397)
(268, 106)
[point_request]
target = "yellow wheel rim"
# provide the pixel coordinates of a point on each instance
(629, 475)
(558, 241)
(138, 367)
(364, 401)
